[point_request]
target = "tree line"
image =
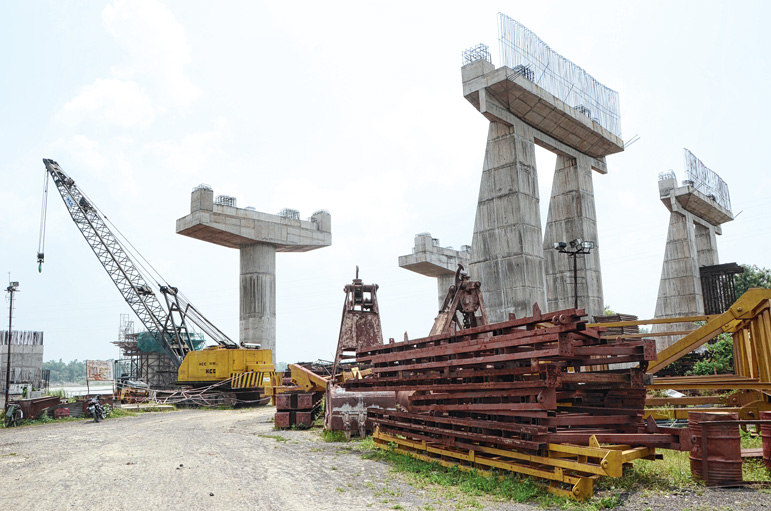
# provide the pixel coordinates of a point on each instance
(66, 372)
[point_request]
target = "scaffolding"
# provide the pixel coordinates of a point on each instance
(154, 369)
(527, 55)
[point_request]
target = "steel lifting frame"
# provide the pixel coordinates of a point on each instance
(563, 465)
(749, 322)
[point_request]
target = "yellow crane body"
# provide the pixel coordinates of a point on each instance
(244, 368)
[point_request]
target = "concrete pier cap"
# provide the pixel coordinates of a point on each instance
(258, 236)
(510, 255)
(430, 259)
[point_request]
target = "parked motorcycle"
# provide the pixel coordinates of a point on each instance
(96, 409)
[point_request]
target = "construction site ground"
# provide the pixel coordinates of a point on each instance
(234, 459)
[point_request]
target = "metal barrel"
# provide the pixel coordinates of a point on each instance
(716, 455)
(765, 433)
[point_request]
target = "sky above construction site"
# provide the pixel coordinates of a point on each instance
(356, 108)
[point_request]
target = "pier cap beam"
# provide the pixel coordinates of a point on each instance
(431, 260)
(498, 92)
(258, 236)
(234, 227)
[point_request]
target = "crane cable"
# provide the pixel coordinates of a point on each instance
(42, 237)
(132, 253)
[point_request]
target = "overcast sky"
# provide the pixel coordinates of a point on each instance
(356, 108)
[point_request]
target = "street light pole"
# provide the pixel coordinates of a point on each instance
(12, 288)
(575, 280)
(573, 249)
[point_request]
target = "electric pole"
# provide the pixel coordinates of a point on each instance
(12, 288)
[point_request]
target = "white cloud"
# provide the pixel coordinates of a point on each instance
(151, 77)
(116, 102)
(194, 153)
(156, 48)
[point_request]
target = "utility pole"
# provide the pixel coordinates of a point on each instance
(12, 288)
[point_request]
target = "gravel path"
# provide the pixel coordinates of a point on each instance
(234, 460)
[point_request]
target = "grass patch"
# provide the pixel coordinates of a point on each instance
(754, 470)
(120, 412)
(507, 487)
(277, 438)
(667, 475)
(60, 393)
(751, 440)
(332, 436)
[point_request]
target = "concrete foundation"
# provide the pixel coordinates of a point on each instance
(507, 250)
(258, 236)
(694, 223)
(429, 259)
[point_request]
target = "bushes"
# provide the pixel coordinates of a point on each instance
(720, 357)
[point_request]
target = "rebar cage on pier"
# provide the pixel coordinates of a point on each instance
(526, 54)
(706, 181)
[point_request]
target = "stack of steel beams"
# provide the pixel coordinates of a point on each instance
(522, 385)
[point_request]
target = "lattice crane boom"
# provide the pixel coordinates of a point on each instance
(168, 324)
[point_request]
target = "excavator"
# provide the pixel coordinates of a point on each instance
(244, 371)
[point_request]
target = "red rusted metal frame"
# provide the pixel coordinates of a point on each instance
(565, 317)
(510, 385)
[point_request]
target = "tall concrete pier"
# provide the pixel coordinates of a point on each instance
(572, 215)
(431, 260)
(697, 209)
(258, 236)
(507, 249)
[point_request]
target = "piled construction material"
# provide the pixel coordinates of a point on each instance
(618, 331)
(519, 386)
(297, 409)
(511, 384)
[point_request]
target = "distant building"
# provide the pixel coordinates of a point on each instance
(26, 361)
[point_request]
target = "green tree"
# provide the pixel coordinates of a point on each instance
(70, 372)
(720, 357)
(753, 276)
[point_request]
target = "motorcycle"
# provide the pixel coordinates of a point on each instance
(96, 409)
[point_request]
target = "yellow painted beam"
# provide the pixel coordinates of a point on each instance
(743, 309)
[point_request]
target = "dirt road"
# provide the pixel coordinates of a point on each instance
(194, 459)
(235, 460)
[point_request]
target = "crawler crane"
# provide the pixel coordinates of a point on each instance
(245, 372)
